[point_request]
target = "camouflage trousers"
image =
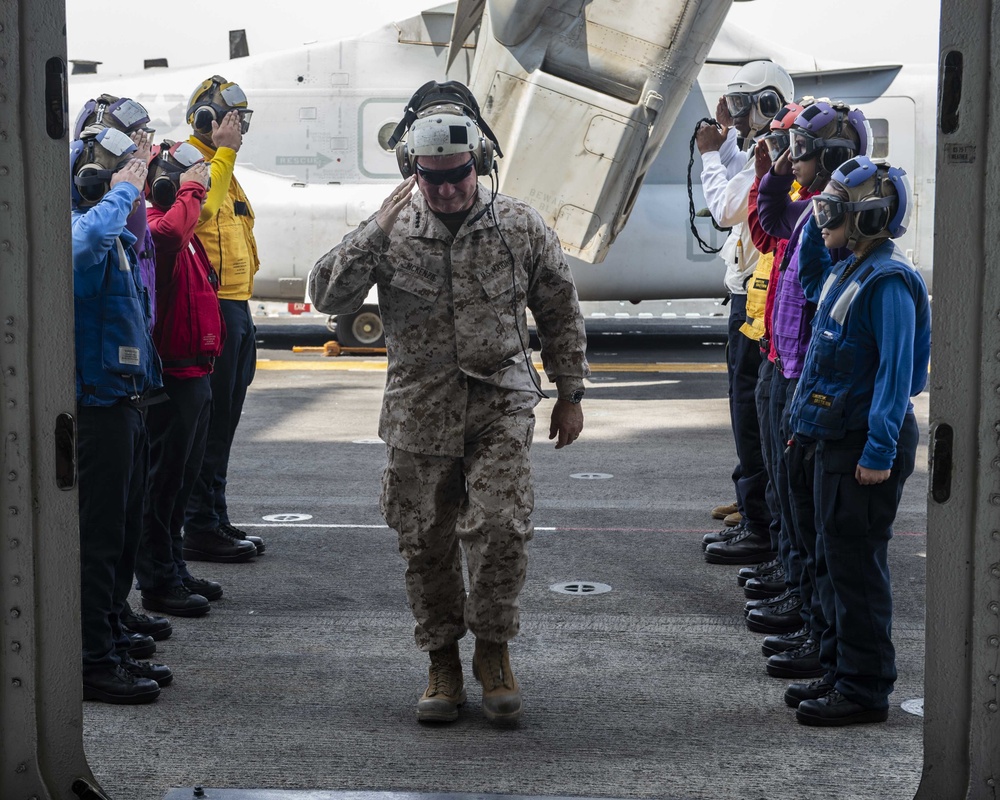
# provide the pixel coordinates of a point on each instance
(480, 503)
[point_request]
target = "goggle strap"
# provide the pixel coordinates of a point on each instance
(97, 176)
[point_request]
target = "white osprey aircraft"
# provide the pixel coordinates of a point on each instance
(594, 105)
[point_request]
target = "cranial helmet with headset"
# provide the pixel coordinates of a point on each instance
(759, 89)
(121, 113)
(93, 158)
(166, 164)
(877, 204)
(212, 100)
(443, 119)
(831, 131)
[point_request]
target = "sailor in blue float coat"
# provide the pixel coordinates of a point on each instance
(118, 373)
(115, 353)
(868, 356)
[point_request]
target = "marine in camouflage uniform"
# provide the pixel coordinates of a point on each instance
(457, 413)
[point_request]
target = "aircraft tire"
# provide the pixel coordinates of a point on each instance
(363, 328)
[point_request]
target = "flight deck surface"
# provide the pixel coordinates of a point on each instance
(301, 683)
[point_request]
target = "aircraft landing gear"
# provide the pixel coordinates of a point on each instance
(363, 328)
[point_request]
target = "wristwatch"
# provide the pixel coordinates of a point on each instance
(576, 397)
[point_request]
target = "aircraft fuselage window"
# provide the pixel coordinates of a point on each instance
(309, 112)
(880, 136)
(384, 133)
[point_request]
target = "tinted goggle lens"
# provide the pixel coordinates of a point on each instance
(436, 177)
(828, 210)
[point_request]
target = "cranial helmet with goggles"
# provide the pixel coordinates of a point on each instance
(212, 100)
(777, 139)
(121, 113)
(758, 90)
(443, 119)
(877, 205)
(93, 158)
(167, 163)
(831, 131)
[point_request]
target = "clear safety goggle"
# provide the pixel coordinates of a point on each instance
(740, 104)
(776, 143)
(803, 145)
(831, 210)
(436, 177)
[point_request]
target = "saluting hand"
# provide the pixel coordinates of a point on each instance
(197, 172)
(133, 172)
(393, 204)
(722, 115)
(143, 142)
(229, 133)
(783, 166)
(762, 160)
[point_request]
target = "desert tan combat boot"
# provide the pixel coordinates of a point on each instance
(501, 694)
(445, 687)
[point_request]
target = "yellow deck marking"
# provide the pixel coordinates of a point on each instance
(370, 366)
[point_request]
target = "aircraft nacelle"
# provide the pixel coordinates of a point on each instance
(582, 96)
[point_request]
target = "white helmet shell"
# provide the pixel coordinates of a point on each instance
(755, 76)
(442, 135)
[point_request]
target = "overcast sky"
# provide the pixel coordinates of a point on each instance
(191, 32)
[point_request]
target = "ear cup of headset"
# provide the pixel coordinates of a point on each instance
(90, 191)
(484, 156)
(833, 157)
(873, 221)
(403, 160)
(163, 192)
(204, 116)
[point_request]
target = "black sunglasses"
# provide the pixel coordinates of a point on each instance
(435, 177)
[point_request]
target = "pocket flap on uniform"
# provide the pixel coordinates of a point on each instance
(424, 284)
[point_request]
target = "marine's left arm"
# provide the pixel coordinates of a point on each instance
(552, 298)
(892, 321)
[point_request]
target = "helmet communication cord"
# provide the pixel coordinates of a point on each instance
(705, 246)
(525, 338)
